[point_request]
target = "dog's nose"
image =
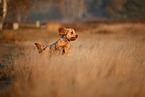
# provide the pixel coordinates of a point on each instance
(76, 36)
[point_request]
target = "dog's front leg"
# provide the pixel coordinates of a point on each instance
(67, 51)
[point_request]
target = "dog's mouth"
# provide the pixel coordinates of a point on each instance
(74, 38)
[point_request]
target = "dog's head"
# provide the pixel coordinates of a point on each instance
(68, 33)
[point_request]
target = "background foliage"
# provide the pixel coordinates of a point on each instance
(73, 10)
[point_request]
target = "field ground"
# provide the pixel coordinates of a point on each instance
(107, 60)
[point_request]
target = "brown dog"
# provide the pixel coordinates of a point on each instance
(62, 45)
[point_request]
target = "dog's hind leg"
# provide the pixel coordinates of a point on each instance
(39, 47)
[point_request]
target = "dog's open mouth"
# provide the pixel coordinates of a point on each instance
(73, 38)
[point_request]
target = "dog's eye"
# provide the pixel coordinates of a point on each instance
(71, 32)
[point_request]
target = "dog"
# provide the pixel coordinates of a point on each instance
(62, 45)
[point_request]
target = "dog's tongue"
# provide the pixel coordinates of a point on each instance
(72, 39)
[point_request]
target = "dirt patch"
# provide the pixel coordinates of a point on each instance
(5, 55)
(5, 50)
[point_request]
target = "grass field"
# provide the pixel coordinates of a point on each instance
(107, 60)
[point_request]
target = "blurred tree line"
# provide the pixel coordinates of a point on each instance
(74, 10)
(14, 10)
(117, 8)
(69, 10)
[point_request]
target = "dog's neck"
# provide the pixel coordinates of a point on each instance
(64, 38)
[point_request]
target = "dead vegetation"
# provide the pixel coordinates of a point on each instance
(102, 64)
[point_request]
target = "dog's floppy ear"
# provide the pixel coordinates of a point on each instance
(62, 31)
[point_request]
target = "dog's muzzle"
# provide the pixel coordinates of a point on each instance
(74, 38)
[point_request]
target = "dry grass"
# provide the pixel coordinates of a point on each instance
(100, 66)
(53, 26)
(30, 34)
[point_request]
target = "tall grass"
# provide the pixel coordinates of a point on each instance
(96, 68)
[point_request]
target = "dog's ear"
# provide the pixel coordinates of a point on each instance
(62, 31)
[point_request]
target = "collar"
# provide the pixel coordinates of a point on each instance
(64, 38)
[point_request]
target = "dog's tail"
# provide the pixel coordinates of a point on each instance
(39, 47)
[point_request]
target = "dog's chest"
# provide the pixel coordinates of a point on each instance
(63, 43)
(60, 45)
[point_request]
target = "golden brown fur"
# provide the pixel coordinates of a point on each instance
(62, 45)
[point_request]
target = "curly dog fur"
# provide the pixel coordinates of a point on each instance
(62, 45)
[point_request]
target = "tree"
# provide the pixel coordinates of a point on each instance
(95, 8)
(72, 9)
(19, 9)
(3, 12)
(114, 8)
(135, 8)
